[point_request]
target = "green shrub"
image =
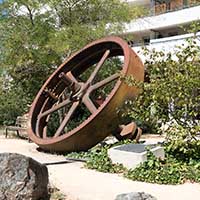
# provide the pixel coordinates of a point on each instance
(172, 90)
(13, 104)
(167, 171)
(181, 143)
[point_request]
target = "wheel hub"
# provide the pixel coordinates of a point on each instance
(81, 92)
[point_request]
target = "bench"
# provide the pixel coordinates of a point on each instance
(20, 127)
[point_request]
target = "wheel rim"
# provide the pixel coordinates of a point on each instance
(67, 76)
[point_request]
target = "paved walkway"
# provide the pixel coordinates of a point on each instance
(79, 183)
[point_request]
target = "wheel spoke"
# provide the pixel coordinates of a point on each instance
(89, 104)
(55, 108)
(67, 118)
(98, 67)
(104, 82)
(44, 135)
(38, 120)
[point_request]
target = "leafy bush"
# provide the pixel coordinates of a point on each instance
(100, 161)
(182, 144)
(171, 92)
(170, 97)
(12, 105)
(168, 171)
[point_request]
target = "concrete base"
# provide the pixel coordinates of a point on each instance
(131, 155)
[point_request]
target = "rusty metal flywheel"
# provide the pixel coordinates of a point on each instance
(77, 106)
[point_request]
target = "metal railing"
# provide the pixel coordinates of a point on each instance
(180, 7)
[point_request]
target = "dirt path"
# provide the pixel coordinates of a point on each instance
(83, 184)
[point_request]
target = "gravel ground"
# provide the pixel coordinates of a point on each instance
(78, 183)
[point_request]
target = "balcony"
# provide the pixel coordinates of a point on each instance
(164, 6)
(157, 7)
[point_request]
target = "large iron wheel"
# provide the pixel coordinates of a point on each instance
(82, 88)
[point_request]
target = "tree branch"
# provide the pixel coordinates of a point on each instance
(30, 15)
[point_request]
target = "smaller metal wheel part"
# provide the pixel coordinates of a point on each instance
(128, 131)
(77, 106)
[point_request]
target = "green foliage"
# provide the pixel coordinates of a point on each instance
(97, 158)
(24, 37)
(12, 101)
(11, 106)
(172, 89)
(170, 96)
(100, 161)
(182, 143)
(89, 18)
(35, 36)
(172, 170)
(168, 171)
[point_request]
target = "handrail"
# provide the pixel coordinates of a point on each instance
(152, 12)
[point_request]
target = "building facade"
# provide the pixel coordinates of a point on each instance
(165, 25)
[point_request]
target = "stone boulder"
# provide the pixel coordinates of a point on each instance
(135, 196)
(22, 178)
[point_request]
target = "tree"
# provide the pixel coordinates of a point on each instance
(35, 36)
(172, 89)
(171, 96)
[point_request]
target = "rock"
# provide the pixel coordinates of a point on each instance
(22, 178)
(135, 196)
